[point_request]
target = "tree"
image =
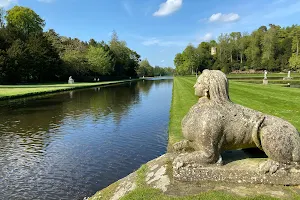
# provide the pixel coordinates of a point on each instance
(2, 17)
(99, 60)
(145, 69)
(178, 60)
(27, 54)
(55, 40)
(295, 59)
(24, 20)
(16, 62)
(42, 59)
(190, 57)
(274, 49)
(295, 62)
(93, 42)
(205, 59)
(242, 44)
(253, 52)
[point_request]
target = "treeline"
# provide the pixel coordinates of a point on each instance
(145, 69)
(274, 49)
(28, 54)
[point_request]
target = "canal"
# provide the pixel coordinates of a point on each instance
(70, 145)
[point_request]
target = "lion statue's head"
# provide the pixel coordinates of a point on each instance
(213, 84)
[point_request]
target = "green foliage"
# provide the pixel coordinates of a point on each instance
(24, 20)
(126, 60)
(145, 69)
(75, 62)
(27, 54)
(274, 48)
(295, 62)
(99, 60)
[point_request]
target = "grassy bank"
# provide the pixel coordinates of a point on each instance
(16, 91)
(271, 99)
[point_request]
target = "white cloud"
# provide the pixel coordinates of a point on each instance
(207, 37)
(169, 7)
(6, 3)
(219, 17)
(127, 8)
(162, 61)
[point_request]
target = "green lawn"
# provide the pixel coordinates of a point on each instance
(271, 99)
(12, 91)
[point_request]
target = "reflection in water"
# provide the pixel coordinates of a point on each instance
(69, 145)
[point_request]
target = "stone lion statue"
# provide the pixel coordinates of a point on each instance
(215, 124)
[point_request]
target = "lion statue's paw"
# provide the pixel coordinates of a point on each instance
(270, 166)
(182, 146)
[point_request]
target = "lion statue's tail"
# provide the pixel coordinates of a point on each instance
(256, 132)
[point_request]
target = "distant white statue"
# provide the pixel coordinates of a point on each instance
(266, 74)
(288, 77)
(95, 79)
(98, 79)
(71, 80)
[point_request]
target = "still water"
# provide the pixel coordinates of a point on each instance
(72, 144)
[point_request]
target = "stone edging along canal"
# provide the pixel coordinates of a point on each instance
(66, 87)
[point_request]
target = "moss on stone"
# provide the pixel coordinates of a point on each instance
(141, 176)
(106, 193)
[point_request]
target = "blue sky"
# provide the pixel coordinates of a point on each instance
(158, 29)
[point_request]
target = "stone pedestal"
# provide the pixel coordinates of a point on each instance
(242, 171)
(265, 81)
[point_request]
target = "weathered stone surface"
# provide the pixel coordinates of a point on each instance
(215, 124)
(126, 185)
(159, 171)
(157, 176)
(244, 171)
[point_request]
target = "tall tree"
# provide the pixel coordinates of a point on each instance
(145, 69)
(99, 60)
(24, 20)
(190, 58)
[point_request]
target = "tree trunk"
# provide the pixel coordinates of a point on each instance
(241, 57)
